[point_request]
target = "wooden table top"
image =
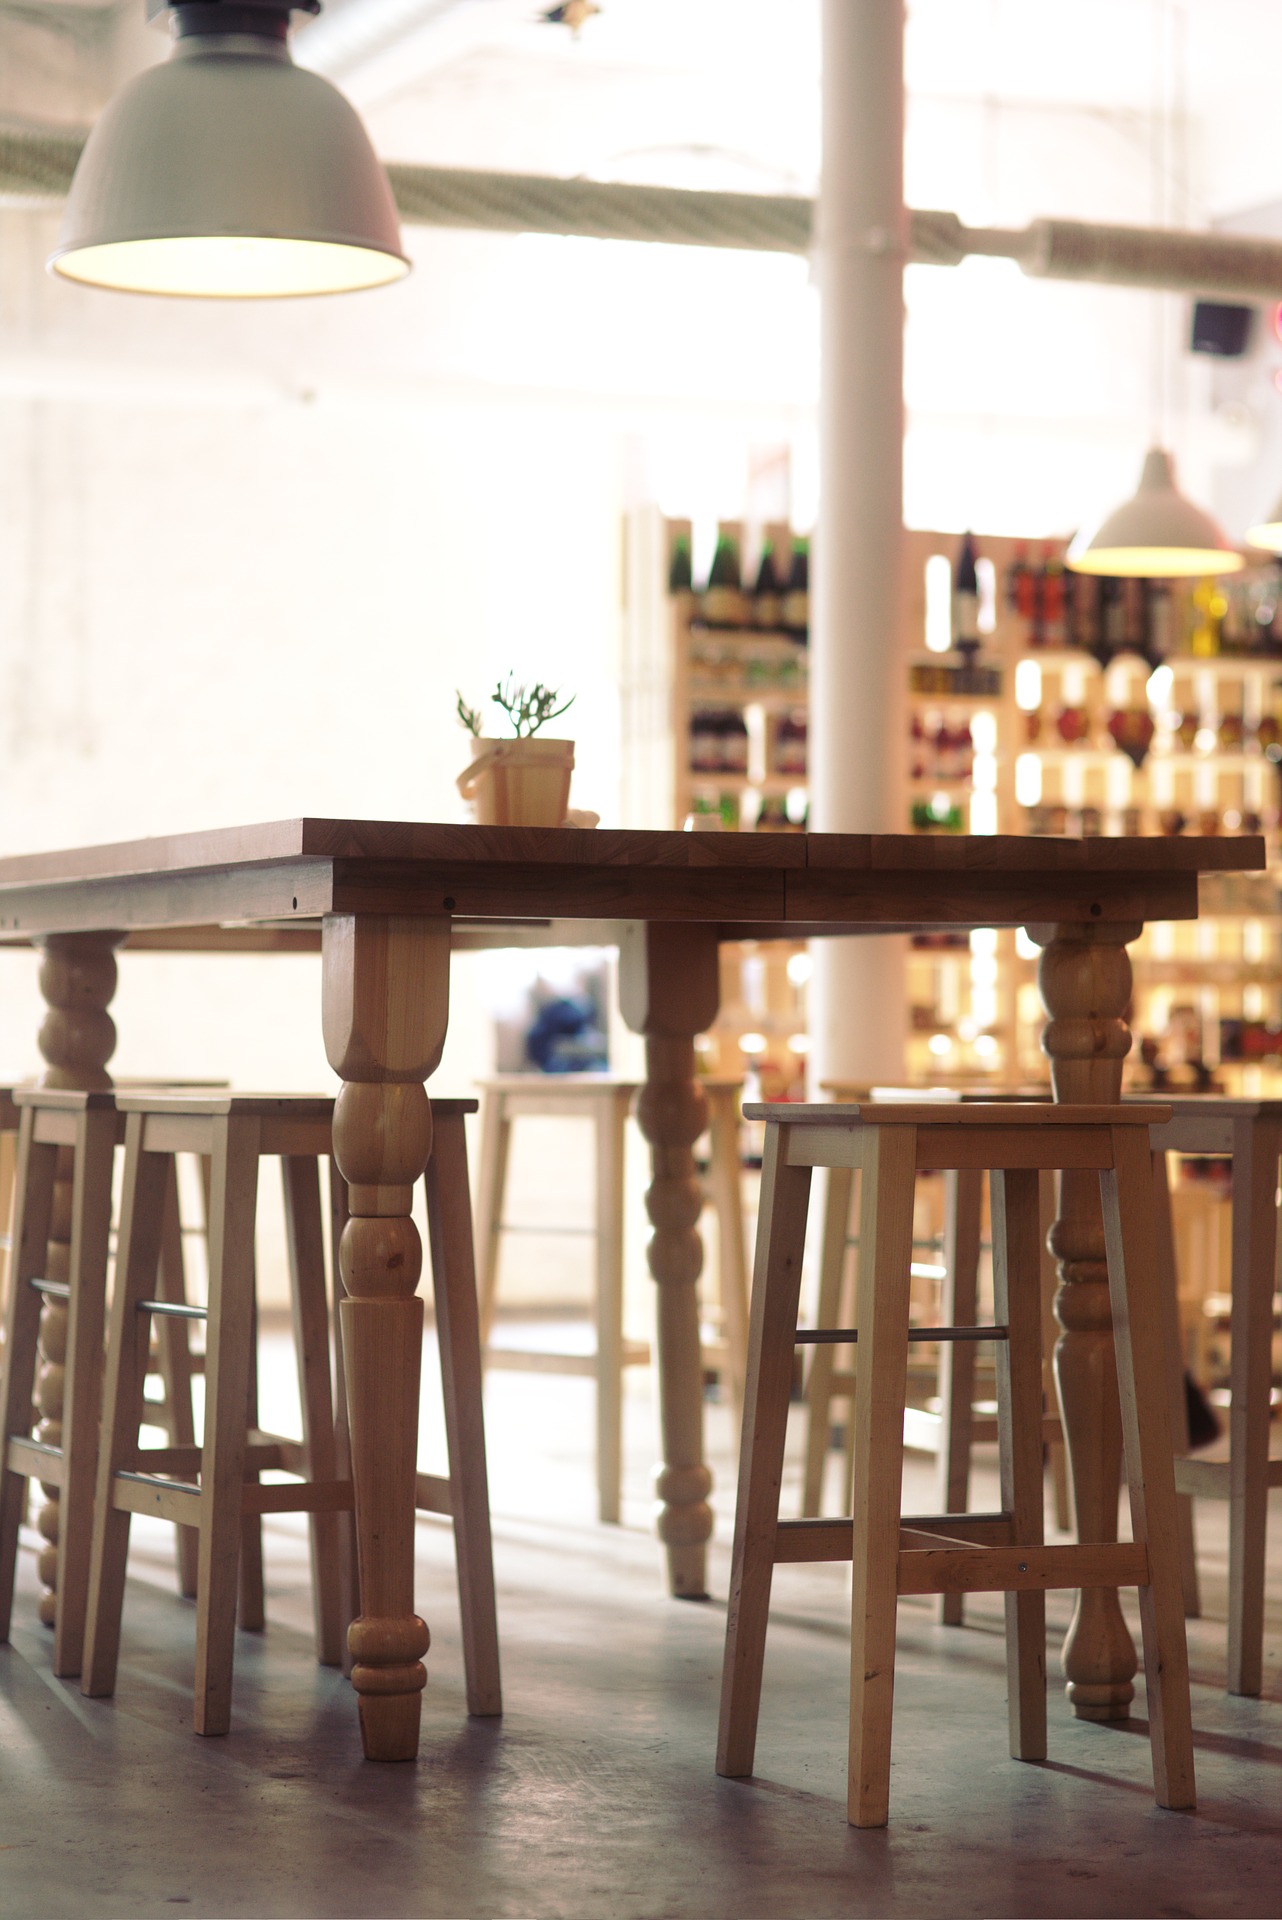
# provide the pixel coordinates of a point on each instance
(286, 874)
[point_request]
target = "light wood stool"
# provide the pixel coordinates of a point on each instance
(234, 1132)
(57, 1116)
(969, 1553)
(1249, 1133)
(606, 1102)
(63, 1458)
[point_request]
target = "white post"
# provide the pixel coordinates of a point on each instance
(857, 708)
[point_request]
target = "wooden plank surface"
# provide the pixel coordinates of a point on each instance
(286, 872)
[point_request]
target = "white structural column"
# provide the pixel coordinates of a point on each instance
(857, 707)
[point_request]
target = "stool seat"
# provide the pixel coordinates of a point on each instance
(890, 1554)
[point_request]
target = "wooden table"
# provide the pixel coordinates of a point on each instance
(388, 898)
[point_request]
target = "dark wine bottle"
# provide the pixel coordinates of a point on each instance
(767, 601)
(680, 576)
(796, 598)
(966, 598)
(723, 601)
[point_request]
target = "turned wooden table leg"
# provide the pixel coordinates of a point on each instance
(386, 1000)
(77, 1038)
(1085, 981)
(668, 991)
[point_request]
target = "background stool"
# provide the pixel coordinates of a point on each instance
(606, 1102)
(64, 1456)
(1249, 1132)
(954, 1552)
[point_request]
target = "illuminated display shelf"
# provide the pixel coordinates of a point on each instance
(974, 1012)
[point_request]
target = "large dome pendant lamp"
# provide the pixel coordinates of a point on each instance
(1157, 534)
(228, 173)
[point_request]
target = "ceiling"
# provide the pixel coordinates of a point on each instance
(725, 92)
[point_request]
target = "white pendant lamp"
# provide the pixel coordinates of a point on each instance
(229, 173)
(1157, 534)
(1267, 533)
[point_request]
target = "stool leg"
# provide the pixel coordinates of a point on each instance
(1017, 1305)
(251, 1607)
(33, 1210)
(459, 1339)
(610, 1124)
(1048, 1203)
(1126, 1191)
(82, 1394)
(129, 1338)
(1256, 1147)
(300, 1175)
(251, 1599)
(496, 1136)
(772, 1331)
(832, 1267)
(228, 1368)
(881, 1389)
(958, 1307)
(174, 1350)
(732, 1265)
(1175, 1378)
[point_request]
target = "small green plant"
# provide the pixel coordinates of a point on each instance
(527, 708)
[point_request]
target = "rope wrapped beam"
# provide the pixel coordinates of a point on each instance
(36, 163)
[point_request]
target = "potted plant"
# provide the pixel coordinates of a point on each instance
(521, 781)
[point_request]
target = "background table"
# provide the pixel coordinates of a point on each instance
(389, 898)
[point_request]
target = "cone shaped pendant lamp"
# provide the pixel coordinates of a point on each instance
(229, 173)
(1157, 534)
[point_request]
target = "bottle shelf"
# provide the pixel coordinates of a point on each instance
(753, 677)
(706, 694)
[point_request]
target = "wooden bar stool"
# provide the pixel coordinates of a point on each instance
(62, 1456)
(606, 1102)
(234, 1132)
(970, 1553)
(1249, 1133)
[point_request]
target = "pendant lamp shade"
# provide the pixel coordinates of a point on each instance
(1267, 533)
(1157, 534)
(229, 173)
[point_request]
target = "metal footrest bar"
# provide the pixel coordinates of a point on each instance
(848, 1336)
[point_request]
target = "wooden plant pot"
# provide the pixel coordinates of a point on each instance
(519, 783)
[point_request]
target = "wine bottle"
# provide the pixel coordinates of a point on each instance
(796, 598)
(767, 601)
(680, 574)
(723, 602)
(966, 599)
(1054, 599)
(1017, 578)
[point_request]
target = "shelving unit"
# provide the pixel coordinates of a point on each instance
(1017, 741)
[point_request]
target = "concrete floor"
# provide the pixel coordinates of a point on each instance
(594, 1797)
